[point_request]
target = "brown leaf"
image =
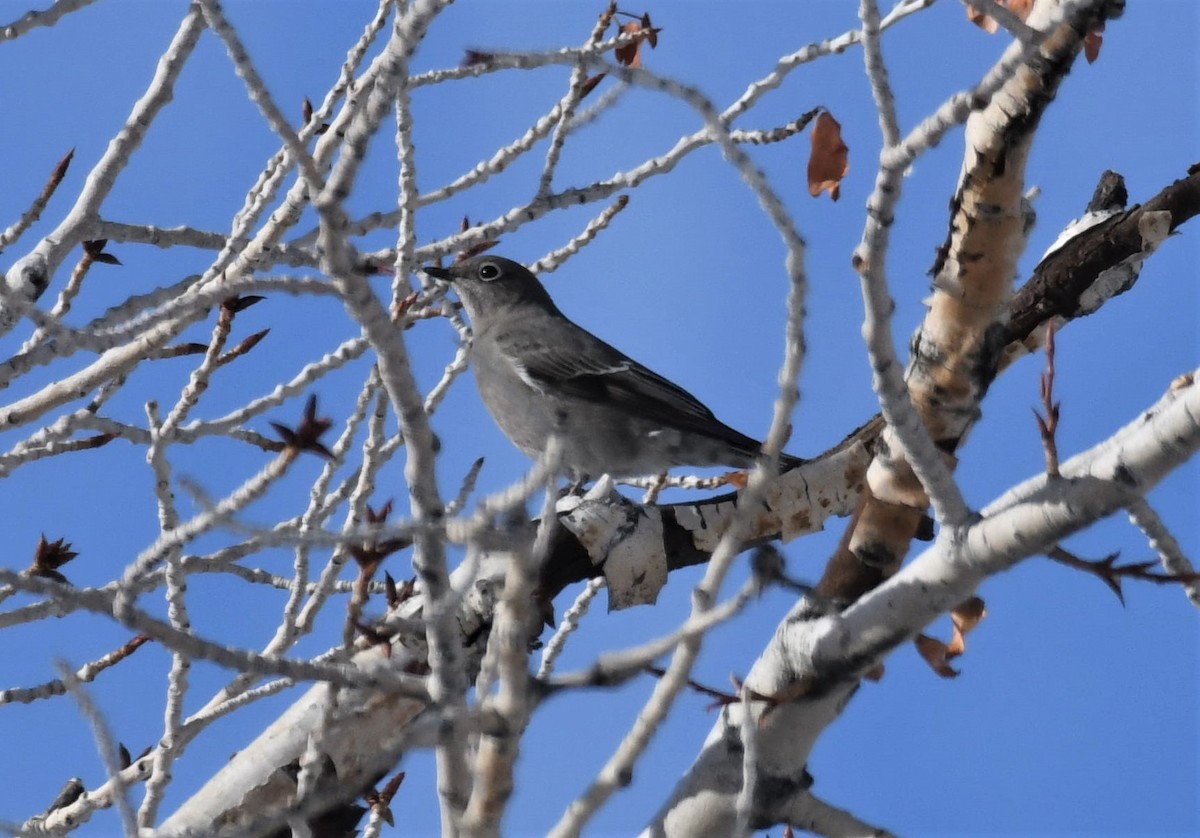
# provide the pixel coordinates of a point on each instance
(371, 553)
(590, 84)
(1092, 43)
(651, 32)
(1020, 8)
(380, 516)
(307, 435)
(94, 250)
(49, 557)
(965, 617)
(374, 638)
(736, 479)
(934, 652)
(631, 54)
(236, 304)
(830, 158)
(985, 22)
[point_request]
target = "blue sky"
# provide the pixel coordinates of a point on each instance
(1072, 715)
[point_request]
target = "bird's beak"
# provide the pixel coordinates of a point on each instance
(443, 274)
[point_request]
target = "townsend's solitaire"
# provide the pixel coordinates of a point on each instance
(541, 375)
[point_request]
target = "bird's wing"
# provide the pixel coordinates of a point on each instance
(588, 368)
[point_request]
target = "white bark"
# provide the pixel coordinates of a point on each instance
(816, 659)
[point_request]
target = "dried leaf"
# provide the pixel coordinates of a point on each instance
(934, 652)
(236, 304)
(631, 54)
(590, 84)
(49, 557)
(1092, 43)
(966, 616)
(1020, 8)
(307, 435)
(373, 637)
(379, 516)
(95, 251)
(737, 479)
(830, 158)
(651, 32)
(985, 22)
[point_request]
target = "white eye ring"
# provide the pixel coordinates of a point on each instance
(488, 270)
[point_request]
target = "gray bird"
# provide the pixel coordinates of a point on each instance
(540, 375)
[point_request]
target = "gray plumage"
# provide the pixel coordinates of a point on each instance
(540, 374)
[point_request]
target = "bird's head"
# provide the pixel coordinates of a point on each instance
(488, 284)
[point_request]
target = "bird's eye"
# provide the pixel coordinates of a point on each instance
(488, 270)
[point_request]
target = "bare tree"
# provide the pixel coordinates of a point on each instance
(259, 507)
